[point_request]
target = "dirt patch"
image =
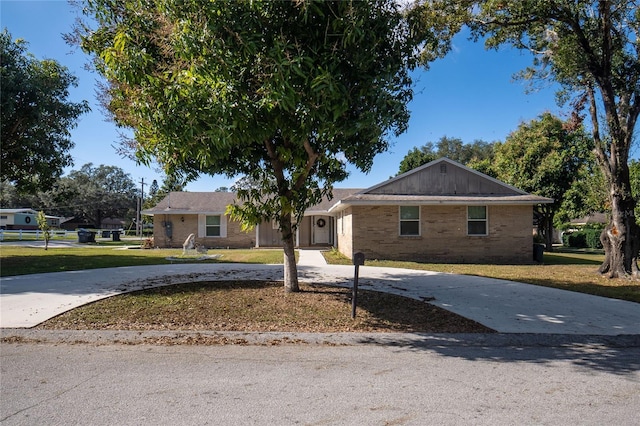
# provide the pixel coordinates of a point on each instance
(261, 306)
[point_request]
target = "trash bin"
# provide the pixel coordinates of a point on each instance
(105, 234)
(115, 235)
(538, 252)
(85, 236)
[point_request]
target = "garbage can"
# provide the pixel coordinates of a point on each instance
(105, 234)
(115, 235)
(538, 252)
(85, 236)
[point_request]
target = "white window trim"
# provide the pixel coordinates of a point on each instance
(485, 220)
(419, 220)
(202, 225)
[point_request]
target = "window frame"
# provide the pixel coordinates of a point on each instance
(207, 226)
(401, 220)
(484, 220)
(202, 224)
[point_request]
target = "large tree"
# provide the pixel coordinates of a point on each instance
(543, 157)
(96, 193)
(591, 48)
(283, 92)
(36, 117)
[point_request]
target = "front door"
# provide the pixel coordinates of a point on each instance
(321, 230)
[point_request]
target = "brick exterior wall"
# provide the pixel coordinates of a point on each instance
(236, 238)
(344, 237)
(375, 232)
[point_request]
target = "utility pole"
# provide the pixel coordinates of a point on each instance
(139, 228)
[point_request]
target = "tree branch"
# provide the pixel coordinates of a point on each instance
(313, 157)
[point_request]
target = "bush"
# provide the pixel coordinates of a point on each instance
(587, 238)
(593, 238)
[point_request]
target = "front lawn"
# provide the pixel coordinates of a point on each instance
(15, 260)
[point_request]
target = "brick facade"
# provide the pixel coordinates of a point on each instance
(374, 230)
(236, 238)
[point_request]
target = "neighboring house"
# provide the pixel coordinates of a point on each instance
(73, 223)
(24, 219)
(440, 212)
(592, 219)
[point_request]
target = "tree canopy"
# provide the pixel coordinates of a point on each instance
(452, 148)
(36, 116)
(591, 49)
(543, 157)
(285, 93)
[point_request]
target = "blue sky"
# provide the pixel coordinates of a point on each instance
(470, 95)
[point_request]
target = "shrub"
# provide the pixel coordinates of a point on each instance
(587, 238)
(593, 238)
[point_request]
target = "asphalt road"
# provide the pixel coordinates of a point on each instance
(315, 384)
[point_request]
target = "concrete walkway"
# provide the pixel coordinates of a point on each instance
(505, 306)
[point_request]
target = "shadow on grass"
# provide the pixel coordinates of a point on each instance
(556, 258)
(629, 292)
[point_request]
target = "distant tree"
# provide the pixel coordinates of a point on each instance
(44, 227)
(587, 194)
(171, 183)
(478, 153)
(456, 150)
(153, 188)
(290, 91)
(417, 157)
(100, 192)
(10, 198)
(543, 157)
(36, 117)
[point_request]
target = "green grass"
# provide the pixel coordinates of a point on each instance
(16, 260)
(573, 270)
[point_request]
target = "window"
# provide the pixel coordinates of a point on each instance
(213, 226)
(409, 220)
(477, 220)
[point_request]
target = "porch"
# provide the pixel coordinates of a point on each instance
(313, 231)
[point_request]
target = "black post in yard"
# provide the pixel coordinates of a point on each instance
(358, 259)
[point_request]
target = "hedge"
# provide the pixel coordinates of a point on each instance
(587, 238)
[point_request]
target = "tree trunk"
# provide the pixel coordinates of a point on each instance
(290, 267)
(545, 227)
(621, 238)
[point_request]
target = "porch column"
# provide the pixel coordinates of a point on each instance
(257, 235)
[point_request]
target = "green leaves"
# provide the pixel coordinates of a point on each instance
(36, 117)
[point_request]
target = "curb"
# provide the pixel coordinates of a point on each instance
(409, 340)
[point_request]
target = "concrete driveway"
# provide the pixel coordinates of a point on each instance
(505, 306)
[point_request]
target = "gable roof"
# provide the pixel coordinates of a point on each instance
(442, 181)
(217, 202)
(443, 177)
